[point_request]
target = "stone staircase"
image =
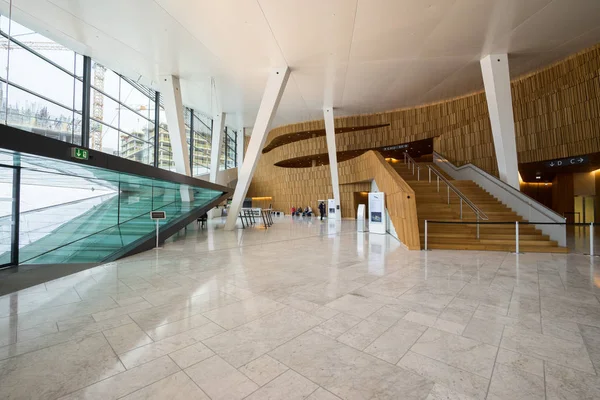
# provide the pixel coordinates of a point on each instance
(433, 205)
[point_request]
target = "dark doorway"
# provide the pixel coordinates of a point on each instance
(361, 198)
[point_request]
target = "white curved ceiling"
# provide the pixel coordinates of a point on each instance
(358, 56)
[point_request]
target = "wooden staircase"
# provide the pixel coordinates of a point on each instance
(433, 206)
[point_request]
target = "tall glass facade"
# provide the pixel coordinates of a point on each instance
(202, 139)
(41, 84)
(122, 116)
(42, 90)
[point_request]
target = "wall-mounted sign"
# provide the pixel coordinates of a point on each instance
(565, 162)
(396, 147)
(80, 154)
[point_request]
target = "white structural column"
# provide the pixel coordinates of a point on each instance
(274, 89)
(218, 128)
(496, 79)
(171, 95)
(332, 150)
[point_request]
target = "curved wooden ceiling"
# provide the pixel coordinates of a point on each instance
(304, 135)
(415, 149)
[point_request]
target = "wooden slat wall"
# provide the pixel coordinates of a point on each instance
(400, 198)
(557, 114)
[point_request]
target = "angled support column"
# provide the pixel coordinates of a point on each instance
(496, 79)
(218, 127)
(171, 94)
(276, 82)
(239, 142)
(333, 167)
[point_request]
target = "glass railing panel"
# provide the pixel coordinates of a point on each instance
(6, 205)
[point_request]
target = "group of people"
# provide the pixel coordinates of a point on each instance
(308, 212)
(297, 212)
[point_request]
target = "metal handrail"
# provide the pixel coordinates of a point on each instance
(479, 214)
(538, 206)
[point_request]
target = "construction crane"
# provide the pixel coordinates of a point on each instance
(98, 107)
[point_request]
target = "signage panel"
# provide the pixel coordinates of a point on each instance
(565, 162)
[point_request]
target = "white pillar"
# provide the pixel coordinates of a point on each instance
(240, 142)
(274, 89)
(496, 79)
(332, 150)
(218, 128)
(171, 95)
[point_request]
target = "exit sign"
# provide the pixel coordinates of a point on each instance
(80, 154)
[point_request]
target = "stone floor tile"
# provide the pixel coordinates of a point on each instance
(126, 337)
(363, 334)
(519, 361)
(457, 380)
(58, 370)
(247, 342)
(178, 386)
(564, 383)
(460, 352)
(396, 341)
(263, 370)
(191, 355)
(289, 386)
(515, 384)
(347, 372)
(220, 380)
(563, 352)
(126, 382)
(241, 312)
(338, 325)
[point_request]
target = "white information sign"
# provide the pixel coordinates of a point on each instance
(377, 212)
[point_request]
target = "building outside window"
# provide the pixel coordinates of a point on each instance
(41, 84)
(122, 116)
(201, 144)
(41, 91)
(231, 146)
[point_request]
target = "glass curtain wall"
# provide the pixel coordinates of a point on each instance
(231, 146)
(42, 89)
(165, 155)
(201, 144)
(41, 84)
(122, 116)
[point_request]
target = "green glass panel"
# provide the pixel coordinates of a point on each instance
(72, 213)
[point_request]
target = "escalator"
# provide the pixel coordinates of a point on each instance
(92, 211)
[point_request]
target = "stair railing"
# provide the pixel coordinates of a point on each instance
(479, 214)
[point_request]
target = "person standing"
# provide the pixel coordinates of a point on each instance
(322, 210)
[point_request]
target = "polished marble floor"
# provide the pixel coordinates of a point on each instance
(307, 310)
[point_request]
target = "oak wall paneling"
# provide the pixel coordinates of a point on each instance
(557, 114)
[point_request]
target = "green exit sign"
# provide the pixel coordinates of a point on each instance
(80, 154)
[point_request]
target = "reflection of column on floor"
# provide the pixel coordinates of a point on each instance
(377, 250)
(360, 244)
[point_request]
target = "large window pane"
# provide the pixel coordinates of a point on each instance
(37, 75)
(132, 123)
(104, 138)
(135, 99)
(135, 148)
(105, 80)
(104, 108)
(31, 113)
